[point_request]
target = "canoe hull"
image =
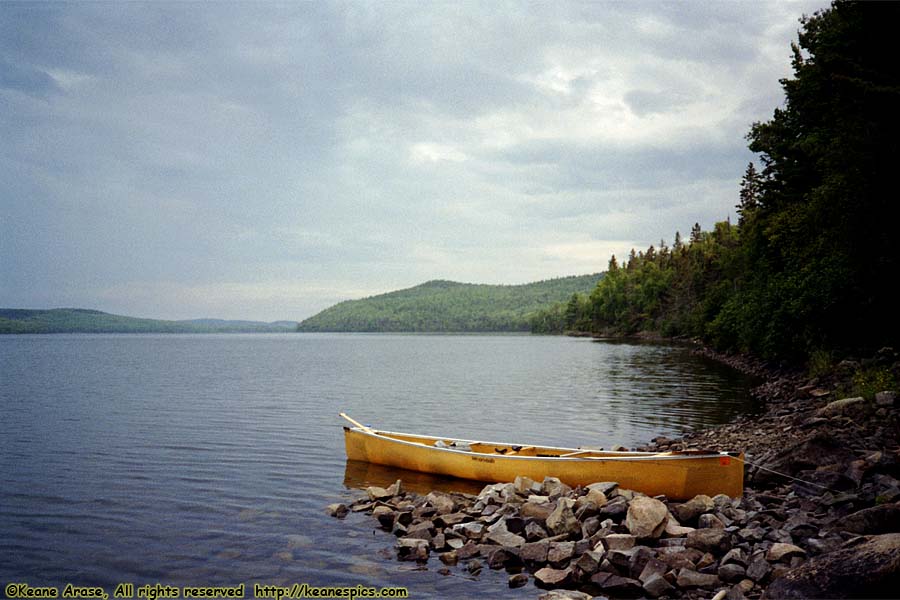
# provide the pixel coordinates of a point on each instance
(679, 477)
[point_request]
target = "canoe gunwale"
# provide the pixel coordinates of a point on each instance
(626, 456)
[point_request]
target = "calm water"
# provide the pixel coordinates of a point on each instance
(208, 460)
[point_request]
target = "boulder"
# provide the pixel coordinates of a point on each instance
(619, 541)
(537, 510)
(562, 520)
(688, 578)
(535, 553)
(715, 541)
(886, 399)
(820, 449)
(378, 493)
(656, 585)
(444, 503)
(884, 518)
(780, 551)
(549, 577)
(338, 511)
(693, 508)
(758, 569)
(589, 562)
(504, 557)
(560, 553)
(412, 549)
(732, 573)
(564, 595)
(518, 580)
(709, 521)
(552, 486)
(607, 487)
(840, 407)
(646, 517)
(869, 569)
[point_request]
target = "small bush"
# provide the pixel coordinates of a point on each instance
(868, 382)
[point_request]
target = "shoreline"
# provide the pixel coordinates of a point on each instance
(820, 514)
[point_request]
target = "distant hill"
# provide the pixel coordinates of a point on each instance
(448, 306)
(80, 320)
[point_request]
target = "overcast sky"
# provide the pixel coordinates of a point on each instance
(265, 160)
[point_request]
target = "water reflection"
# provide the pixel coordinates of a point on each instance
(360, 475)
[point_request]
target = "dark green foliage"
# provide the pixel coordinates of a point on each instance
(810, 268)
(447, 306)
(79, 320)
(822, 240)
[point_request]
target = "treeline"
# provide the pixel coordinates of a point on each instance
(811, 266)
(80, 320)
(449, 306)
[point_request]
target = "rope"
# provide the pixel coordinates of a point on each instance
(747, 462)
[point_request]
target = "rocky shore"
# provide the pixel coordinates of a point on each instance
(820, 517)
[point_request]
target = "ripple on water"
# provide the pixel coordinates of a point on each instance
(209, 459)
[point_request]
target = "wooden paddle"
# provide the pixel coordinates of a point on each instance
(357, 423)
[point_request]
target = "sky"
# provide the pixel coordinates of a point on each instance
(266, 160)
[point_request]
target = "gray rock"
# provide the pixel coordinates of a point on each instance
(444, 503)
(715, 541)
(735, 556)
(606, 487)
(503, 537)
(564, 595)
(619, 541)
(646, 517)
(378, 493)
(535, 553)
(560, 553)
(338, 511)
(732, 573)
(620, 586)
(534, 531)
(549, 577)
(656, 585)
(710, 521)
(589, 562)
(614, 509)
(518, 580)
(654, 566)
(688, 578)
(451, 519)
(474, 567)
(869, 569)
(412, 549)
(693, 508)
(537, 511)
(820, 449)
(562, 520)
(758, 569)
(883, 518)
(504, 557)
(752, 534)
(552, 486)
(840, 407)
(526, 485)
(780, 551)
(467, 551)
(886, 399)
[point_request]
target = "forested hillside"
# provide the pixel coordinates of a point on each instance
(809, 270)
(79, 320)
(444, 306)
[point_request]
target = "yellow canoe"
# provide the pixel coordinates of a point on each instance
(677, 475)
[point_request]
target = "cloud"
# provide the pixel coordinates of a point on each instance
(169, 159)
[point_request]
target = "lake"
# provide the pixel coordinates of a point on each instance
(209, 459)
